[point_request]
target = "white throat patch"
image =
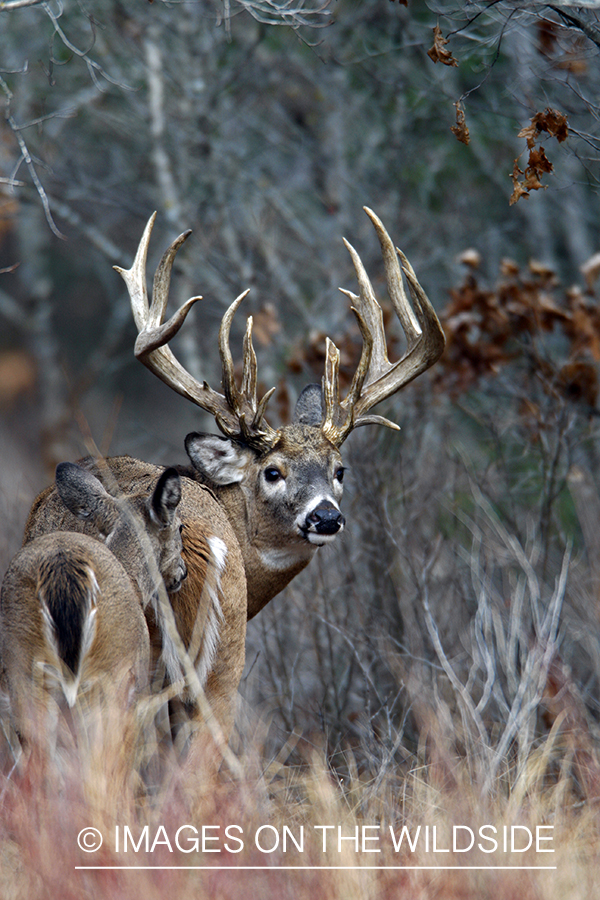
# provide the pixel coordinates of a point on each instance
(281, 558)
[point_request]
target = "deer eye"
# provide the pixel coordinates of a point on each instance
(339, 474)
(272, 474)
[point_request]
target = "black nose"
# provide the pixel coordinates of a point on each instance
(176, 582)
(325, 519)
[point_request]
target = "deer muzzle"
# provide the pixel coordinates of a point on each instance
(174, 582)
(324, 521)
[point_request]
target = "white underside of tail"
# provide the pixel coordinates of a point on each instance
(206, 635)
(211, 593)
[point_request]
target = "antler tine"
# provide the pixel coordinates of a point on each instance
(244, 402)
(153, 333)
(364, 363)
(338, 419)
(135, 278)
(408, 320)
(229, 386)
(237, 413)
(434, 346)
(331, 391)
(162, 281)
(249, 365)
(421, 326)
(369, 308)
(424, 335)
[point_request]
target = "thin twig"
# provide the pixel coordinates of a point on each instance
(26, 158)
(8, 5)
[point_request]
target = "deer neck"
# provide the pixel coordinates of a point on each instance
(270, 561)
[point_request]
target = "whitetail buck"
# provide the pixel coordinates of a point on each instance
(259, 502)
(71, 606)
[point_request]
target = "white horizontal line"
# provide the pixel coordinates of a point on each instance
(316, 868)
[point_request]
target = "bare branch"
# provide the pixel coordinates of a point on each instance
(26, 158)
(575, 20)
(94, 68)
(65, 114)
(156, 103)
(8, 5)
(95, 235)
(293, 13)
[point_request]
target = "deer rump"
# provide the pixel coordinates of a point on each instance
(64, 599)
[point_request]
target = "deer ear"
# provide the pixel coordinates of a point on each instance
(85, 496)
(309, 406)
(218, 459)
(165, 498)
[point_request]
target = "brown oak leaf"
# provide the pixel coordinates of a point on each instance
(460, 130)
(554, 123)
(532, 181)
(579, 381)
(438, 53)
(519, 189)
(539, 161)
(547, 37)
(18, 374)
(550, 121)
(508, 267)
(266, 324)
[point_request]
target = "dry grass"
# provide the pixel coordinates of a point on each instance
(45, 807)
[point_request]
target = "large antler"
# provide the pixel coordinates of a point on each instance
(236, 412)
(376, 378)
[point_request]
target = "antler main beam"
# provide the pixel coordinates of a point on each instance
(237, 412)
(376, 378)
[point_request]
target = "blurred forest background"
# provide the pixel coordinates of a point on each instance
(469, 571)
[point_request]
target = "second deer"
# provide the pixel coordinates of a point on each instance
(72, 623)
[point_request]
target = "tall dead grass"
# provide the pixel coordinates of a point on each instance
(277, 811)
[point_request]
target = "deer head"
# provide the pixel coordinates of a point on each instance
(141, 529)
(285, 483)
